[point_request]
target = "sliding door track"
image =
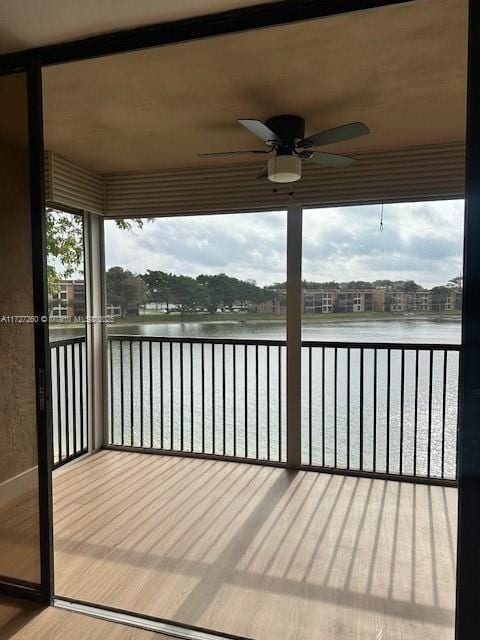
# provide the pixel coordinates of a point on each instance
(148, 623)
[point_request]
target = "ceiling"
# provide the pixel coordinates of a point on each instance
(26, 24)
(400, 69)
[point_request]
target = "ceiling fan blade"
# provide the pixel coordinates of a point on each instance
(338, 134)
(230, 153)
(330, 160)
(259, 129)
(263, 173)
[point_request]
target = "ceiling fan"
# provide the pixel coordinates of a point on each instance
(285, 136)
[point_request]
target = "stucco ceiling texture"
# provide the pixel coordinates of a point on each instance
(400, 69)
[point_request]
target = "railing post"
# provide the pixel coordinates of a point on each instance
(468, 549)
(97, 383)
(294, 335)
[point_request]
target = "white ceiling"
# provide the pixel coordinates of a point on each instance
(25, 24)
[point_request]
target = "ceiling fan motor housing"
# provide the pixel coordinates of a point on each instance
(290, 129)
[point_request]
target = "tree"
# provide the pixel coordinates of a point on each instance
(64, 235)
(159, 287)
(455, 283)
(188, 294)
(124, 289)
(224, 292)
(220, 290)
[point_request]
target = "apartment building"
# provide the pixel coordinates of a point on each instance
(69, 302)
(419, 301)
(342, 301)
(318, 301)
(358, 300)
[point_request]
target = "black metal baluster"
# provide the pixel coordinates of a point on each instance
(415, 418)
(430, 381)
(84, 431)
(150, 375)
(112, 411)
(192, 446)
(162, 394)
(375, 364)
(67, 411)
(203, 397)
(122, 395)
(444, 408)
(171, 393)
(310, 431)
(234, 374)
(348, 407)
(268, 404)
(323, 406)
(402, 400)
(181, 399)
(256, 403)
(74, 398)
(59, 407)
(361, 409)
(214, 438)
(245, 399)
(224, 399)
(387, 457)
(131, 393)
(140, 353)
(335, 391)
(279, 404)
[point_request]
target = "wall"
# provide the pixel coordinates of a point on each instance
(19, 546)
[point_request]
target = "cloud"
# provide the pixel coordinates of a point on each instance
(419, 241)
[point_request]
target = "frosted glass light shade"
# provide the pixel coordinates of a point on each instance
(284, 169)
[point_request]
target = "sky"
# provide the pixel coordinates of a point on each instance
(419, 241)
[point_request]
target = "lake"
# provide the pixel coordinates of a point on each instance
(370, 409)
(440, 331)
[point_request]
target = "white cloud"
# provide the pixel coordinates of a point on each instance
(420, 241)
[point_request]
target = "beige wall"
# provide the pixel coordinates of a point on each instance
(17, 385)
(19, 549)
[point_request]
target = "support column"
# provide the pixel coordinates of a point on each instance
(468, 550)
(97, 383)
(294, 335)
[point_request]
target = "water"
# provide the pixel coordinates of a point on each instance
(411, 330)
(404, 330)
(243, 411)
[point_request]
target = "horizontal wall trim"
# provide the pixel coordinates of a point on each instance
(72, 186)
(419, 173)
(409, 174)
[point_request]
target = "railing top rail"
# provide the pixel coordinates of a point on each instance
(282, 343)
(66, 342)
(412, 346)
(191, 340)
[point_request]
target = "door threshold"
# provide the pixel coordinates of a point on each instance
(147, 623)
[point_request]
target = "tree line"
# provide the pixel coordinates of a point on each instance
(407, 286)
(213, 292)
(183, 293)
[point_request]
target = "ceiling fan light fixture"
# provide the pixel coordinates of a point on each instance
(284, 168)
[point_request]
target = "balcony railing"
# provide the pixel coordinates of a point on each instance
(383, 410)
(69, 393)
